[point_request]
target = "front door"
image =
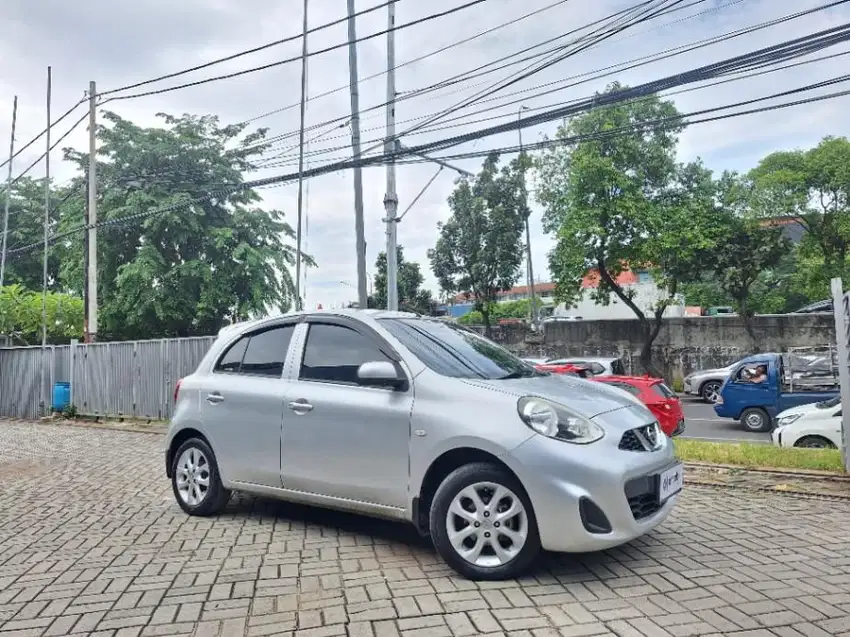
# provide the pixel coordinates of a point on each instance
(242, 406)
(741, 390)
(341, 439)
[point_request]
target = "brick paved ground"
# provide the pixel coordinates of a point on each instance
(91, 543)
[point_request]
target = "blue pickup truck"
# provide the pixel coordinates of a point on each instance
(755, 404)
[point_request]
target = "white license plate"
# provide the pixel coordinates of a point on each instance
(670, 482)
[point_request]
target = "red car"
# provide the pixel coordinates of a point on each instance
(653, 393)
(565, 368)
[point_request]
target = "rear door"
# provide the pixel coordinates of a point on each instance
(242, 405)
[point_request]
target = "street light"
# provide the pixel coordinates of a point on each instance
(530, 267)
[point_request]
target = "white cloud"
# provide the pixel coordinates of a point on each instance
(121, 43)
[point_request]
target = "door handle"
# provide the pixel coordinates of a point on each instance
(300, 406)
(214, 398)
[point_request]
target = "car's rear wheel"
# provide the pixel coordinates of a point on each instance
(814, 442)
(195, 479)
(710, 391)
(756, 419)
(482, 523)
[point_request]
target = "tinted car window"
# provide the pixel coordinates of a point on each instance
(334, 352)
(617, 368)
(266, 352)
(629, 388)
(232, 359)
(662, 390)
(596, 369)
(453, 351)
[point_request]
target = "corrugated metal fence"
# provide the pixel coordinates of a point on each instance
(127, 378)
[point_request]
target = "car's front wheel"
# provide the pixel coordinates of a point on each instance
(195, 479)
(756, 419)
(482, 523)
(710, 391)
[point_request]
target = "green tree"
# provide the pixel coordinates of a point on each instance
(215, 257)
(21, 315)
(620, 201)
(479, 249)
(26, 227)
(814, 186)
(411, 296)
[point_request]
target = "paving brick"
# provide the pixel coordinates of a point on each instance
(126, 562)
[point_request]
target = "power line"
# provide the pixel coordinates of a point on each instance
(44, 132)
(240, 54)
(416, 59)
(451, 81)
(52, 146)
(747, 75)
(270, 65)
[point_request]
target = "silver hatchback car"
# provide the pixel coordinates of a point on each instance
(393, 415)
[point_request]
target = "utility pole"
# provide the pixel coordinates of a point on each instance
(298, 296)
(45, 403)
(530, 269)
(391, 198)
(359, 226)
(91, 272)
(8, 192)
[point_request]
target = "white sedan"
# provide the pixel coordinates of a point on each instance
(817, 425)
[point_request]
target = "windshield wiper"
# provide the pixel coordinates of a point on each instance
(520, 373)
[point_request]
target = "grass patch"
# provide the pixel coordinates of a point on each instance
(759, 455)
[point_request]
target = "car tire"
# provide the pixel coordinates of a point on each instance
(756, 419)
(459, 505)
(195, 479)
(814, 442)
(709, 391)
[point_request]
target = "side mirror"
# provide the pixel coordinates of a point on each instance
(379, 374)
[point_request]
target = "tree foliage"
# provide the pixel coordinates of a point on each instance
(479, 249)
(814, 186)
(21, 315)
(411, 296)
(621, 202)
(218, 258)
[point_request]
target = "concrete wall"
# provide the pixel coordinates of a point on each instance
(683, 345)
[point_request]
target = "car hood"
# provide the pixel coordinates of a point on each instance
(800, 410)
(585, 397)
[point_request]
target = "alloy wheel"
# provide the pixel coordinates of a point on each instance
(193, 476)
(487, 524)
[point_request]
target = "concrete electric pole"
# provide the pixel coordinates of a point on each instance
(91, 270)
(299, 296)
(391, 198)
(359, 225)
(530, 268)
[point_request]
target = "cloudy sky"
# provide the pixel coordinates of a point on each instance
(120, 43)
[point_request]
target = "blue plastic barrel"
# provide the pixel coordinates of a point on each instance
(61, 396)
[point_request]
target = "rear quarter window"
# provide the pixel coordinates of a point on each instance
(662, 390)
(629, 388)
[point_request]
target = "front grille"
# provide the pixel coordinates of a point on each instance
(642, 497)
(641, 439)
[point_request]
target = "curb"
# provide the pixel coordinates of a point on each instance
(807, 473)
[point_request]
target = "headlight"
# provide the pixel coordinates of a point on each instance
(787, 420)
(556, 421)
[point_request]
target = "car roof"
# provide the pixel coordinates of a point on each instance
(358, 314)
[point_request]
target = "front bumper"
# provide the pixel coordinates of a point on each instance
(687, 385)
(573, 487)
(680, 428)
(776, 436)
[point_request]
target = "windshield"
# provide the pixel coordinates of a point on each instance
(454, 351)
(829, 404)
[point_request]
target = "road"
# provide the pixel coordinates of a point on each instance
(93, 544)
(702, 423)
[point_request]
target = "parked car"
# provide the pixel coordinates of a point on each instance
(493, 459)
(598, 365)
(706, 383)
(654, 393)
(565, 368)
(815, 425)
(756, 404)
